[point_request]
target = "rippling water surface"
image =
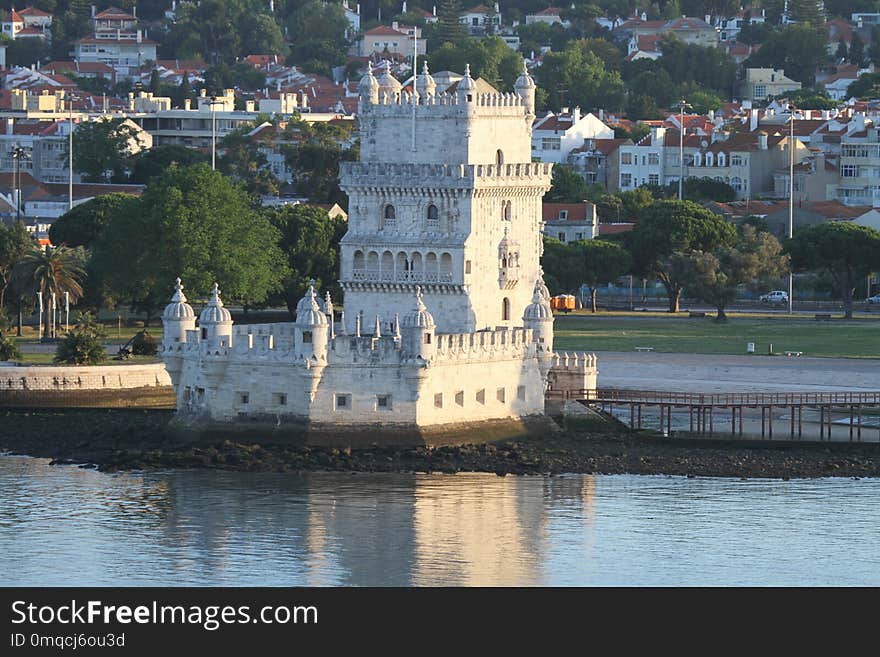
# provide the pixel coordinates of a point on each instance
(70, 526)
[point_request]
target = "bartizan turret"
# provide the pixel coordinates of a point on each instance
(215, 322)
(417, 332)
(525, 89)
(177, 319)
(310, 330)
(538, 317)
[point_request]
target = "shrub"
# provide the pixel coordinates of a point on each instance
(8, 348)
(144, 344)
(82, 345)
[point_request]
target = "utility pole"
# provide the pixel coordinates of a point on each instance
(681, 105)
(791, 109)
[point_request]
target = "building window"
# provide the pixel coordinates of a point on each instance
(389, 215)
(849, 171)
(204, 334)
(626, 180)
(760, 90)
(500, 395)
(653, 158)
(279, 399)
(383, 402)
(459, 398)
(481, 396)
(343, 402)
(550, 143)
(563, 215)
(427, 338)
(736, 160)
(626, 158)
(561, 237)
(467, 266)
(438, 400)
(521, 393)
(653, 179)
(433, 215)
(505, 309)
(244, 398)
(578, 236)
(506, 208)
(499, 157)
(307, 337)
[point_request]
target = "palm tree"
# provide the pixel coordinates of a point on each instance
(57, 270)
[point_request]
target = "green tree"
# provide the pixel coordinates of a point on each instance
(572, 77)
(315, 156)
(197, 224)
(103, 149)
(867, 86)
(317, 32)
(155, 82)
(609, 207)
(489, 58)
(8, 348)
(666, 228)
(846, 252)
(55, 270)
(797, 49)
(448, 28)
(604, 262)
(15, 243)
(568, 186)
(806, 11)
(83, 345)
(716, 276)
(242, 160)
(563, 266)
(310, 243)
(153, 162)
(635, 201)
(84, 223)
(857, 50)
(874, 46)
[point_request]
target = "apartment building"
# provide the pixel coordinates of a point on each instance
(555, 136)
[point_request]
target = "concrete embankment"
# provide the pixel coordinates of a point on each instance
(103, 386)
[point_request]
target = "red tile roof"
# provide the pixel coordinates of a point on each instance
(612, 229)
(115, 14)
(577, 212)
(33, 11)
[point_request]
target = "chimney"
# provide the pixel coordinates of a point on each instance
(10, 126)
(576, 115)
(403, 9)
(753, 120)
(601, 114)
(93, 11)
(140, 36)
(762, 141)
(249, 106)
(395, 25)
(134, 11)
(434, 10)
(187, 103)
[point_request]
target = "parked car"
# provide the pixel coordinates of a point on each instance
(874, 299)
(776, 296)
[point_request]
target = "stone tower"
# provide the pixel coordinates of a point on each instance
(445, 197)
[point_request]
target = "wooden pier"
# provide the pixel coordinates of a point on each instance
(702, 411)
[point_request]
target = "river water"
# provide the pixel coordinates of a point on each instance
(71, 526)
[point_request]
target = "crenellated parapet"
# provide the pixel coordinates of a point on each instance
(573, 374)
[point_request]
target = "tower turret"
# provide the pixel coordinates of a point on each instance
(177, 319)
(538, 316)
(368, 89)
(215, 321)
(310, 329)
(388, 86)
(426, 88)
(525, 89)
(417, 333)
(467, 88)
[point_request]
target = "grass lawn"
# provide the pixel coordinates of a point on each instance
(46, 359)
(858, 338)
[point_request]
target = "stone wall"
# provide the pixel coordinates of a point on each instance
(108, 386)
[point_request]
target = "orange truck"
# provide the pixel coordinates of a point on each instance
(563, 302)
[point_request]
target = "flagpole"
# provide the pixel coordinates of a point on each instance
(415, 73)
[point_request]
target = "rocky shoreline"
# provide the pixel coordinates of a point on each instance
(117, 440)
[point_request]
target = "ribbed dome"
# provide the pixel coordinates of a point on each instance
(214, 312)
(425, 85)
(387, 82)
(538, 309)
(178, 309)
(524, 81)
(308, 312)
(467, 83)
(368, 84)
(419, 317)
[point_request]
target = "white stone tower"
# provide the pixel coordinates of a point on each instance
(177, 319)
(215, 321)
(459, 214)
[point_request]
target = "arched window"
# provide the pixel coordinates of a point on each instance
(505, 310)
(499, 157)
(721, 159)
(433, 214)
(389, 215)
(505, 210)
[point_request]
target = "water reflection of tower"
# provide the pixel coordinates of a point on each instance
(474, 530)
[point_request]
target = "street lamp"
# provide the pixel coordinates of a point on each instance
(681, 105)
(70, 152)
(18, 154)
(791, 110)
(214, 101)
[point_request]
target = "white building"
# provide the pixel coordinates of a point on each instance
(555, 136)
(117, 42)
(447, 332)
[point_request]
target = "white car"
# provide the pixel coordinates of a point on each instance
(776, 296)
(874, 299)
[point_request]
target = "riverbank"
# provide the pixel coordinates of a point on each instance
(119, 440)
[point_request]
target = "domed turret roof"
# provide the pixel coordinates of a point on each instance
(214, 312)
(387, 82)
(419, 317)
(368, 84)
(524, 81)
(308, 312)
(541, 287)
(467, 83)
(178, 309)
(425, 84)
(538, 309)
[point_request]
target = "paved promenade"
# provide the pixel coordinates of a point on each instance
(718, 373)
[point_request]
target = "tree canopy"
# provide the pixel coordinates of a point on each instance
(102, 150)
(84, 223)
